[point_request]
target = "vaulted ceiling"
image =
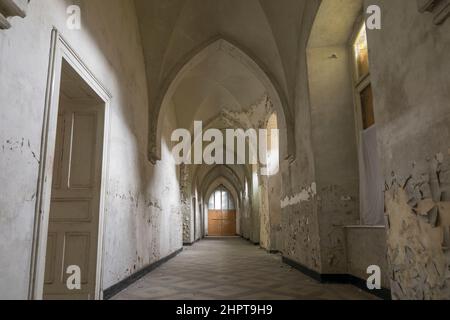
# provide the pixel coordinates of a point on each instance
(175, 31)
(217, 82)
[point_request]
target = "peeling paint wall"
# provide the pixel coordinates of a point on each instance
(276, 231)
(140, 228)
(301, 242)
(335, 211)
(187, 210)
(419, 231)
(412, 96)
(306, 195)
(299, 221)
(265, 240)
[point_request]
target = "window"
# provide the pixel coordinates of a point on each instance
(371, 178)
(221, 199)
(362, 78)
(368, 116)
(361, 53)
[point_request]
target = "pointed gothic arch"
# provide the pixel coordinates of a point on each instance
(285, 116)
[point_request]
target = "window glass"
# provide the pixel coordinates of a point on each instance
(218, 200)
(211, 203)
(361, 52)
(224, 200)
(367, 107)
(221, 200)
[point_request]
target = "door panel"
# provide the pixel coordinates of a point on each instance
(51, 261)
(77, 248)
(229, 223)
(214, 222)
(221, 223)
(82, 175)
(74, 210)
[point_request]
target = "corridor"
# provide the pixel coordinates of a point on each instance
(131, 130)
(232, 269)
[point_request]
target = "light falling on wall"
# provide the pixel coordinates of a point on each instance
(246, 189)
(255, 179)
(273, 158)
(361, 52)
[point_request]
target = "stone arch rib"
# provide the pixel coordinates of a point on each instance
(191, 60)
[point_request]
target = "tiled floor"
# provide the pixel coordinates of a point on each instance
(232, 269)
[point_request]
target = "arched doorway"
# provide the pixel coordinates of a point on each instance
(221, 214)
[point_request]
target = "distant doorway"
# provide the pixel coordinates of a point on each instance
(221, 214)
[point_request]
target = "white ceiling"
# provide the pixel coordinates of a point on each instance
(172, 30)
(217, 83)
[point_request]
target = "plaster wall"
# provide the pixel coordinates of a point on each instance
(255, 225)
(187, 206)
(366, 246)
(300, 225)
(246, 212)
(265, 239)
(274, 190)
(139, 227)
(198, 217)
(410, 68)
(335, 153)
(270, 212)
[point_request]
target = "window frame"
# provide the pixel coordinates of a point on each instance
(230, 205)
(359, 84)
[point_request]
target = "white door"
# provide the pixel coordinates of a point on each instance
(74, 213)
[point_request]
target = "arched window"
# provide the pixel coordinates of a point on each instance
(221, 199)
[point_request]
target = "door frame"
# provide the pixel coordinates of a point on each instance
(61, 50)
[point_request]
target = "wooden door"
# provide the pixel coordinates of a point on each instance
(221, 223)
(74, 211)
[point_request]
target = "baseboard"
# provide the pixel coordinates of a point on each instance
(309, 272)
(251, 241)
(122, 285)
(383, 293)
(190, 244)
